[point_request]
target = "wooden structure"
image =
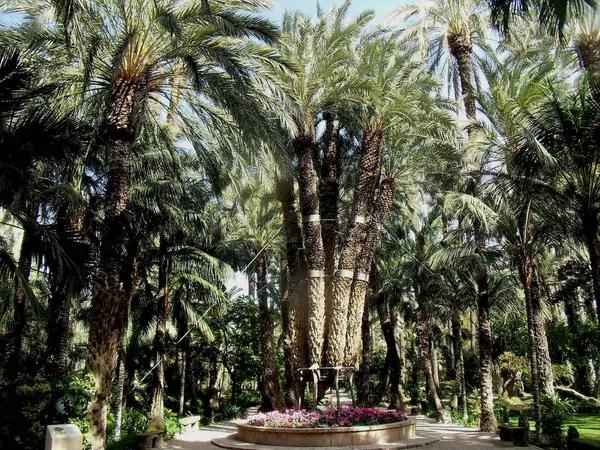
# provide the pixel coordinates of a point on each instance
(315, 374)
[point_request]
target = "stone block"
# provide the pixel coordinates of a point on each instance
(63, 437)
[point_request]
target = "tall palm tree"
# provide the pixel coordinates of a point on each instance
(454, 33)
(522, 212)
(125, 72)
(565, 124)
(322, 51)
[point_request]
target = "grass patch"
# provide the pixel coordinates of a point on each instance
(588, 425)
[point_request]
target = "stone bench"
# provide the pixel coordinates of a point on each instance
(151, 439)
(189, 423)
(517, 435)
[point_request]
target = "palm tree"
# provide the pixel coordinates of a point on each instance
(554, 16)
(323, 52)
(126, 75)
(565, 124)
(586, 43)
(458, 29)
(522, 212)
(253, 230)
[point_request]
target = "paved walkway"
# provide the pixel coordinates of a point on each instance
(450, 437)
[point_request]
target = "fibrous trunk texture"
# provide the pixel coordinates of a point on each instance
(387, 319)
(584, 370)
(273, 390)
(487, 419)
(129, 278)
(328, 203)
(541, 366)
(296, 333)
(459, 364)
(593, 247)
(157, 419)
(588, 50)
(365, 364)
(290, 384)
(109, 303)
(379, 213)
(313, 244)
(424, 338)
(462, 49)
(366, 181)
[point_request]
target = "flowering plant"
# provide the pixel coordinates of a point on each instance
(347, 416)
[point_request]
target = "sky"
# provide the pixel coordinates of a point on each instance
(381, 7)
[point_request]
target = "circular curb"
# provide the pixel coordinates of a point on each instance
(230, 442)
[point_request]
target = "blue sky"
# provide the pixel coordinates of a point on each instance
(381, 7)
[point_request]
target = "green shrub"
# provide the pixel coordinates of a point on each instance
(172, 425)
(501, 410)
(554, 413)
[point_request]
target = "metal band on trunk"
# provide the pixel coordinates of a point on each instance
(311, 218)
(361, 276)
(360, 220)
(316, 274)
(344, 273)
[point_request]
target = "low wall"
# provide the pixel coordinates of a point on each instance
(327, 437)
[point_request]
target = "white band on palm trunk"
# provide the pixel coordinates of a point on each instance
(311, 218)
(316, 274)
(344, 273)
(361, 276)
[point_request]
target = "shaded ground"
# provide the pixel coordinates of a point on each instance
(452, 437)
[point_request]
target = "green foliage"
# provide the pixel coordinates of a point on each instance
(33, 397)
(501, 409)
(555, 412)
(172, 425)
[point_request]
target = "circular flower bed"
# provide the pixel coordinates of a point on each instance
(331, 418)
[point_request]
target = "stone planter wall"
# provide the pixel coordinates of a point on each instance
(327, 437)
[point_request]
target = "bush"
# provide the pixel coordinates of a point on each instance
(501, 410)
(554, 413)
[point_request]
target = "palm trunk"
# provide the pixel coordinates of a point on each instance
(356, 231)
(184, 342)
(461, 49)
(129, 277)
(20, 309)
(424, 339)
(328, 203)
(363, 263)
(459, 365)
(435, 369)
(109, 303)
(387, 319)
(119, 401)
(487, 419)
(211, 389)
(296, 335)
(593, 247)
(290, 384)
(541, 366)
(365, 365)
(157, 419)
(59, 324)
(273, 391)
(589, 58)
(584, 374)
(313, 243)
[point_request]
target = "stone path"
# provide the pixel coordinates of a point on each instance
(444, 437)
